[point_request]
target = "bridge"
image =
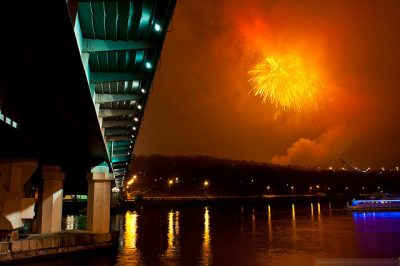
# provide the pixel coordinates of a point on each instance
(75, 77)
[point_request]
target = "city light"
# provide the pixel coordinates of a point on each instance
(143, 90)
(139, 107)
(130, 182)
(136, 119)
(205, 183)
(149, 65)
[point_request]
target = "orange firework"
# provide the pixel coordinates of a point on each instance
(285, 81)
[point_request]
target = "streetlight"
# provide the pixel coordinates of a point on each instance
(170, 182)
(205, 184)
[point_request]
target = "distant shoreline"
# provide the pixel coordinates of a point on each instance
(167, 200)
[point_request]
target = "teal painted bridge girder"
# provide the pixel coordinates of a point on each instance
(106, 98)
(96, 45)
(102, 77)
(120, 44)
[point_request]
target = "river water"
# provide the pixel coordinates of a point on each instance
(261, 234)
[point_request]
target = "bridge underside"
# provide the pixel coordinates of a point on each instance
(74, 82)
(46, 87)
(75, 79)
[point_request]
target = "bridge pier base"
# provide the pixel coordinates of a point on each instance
(14, 207)
(50, 206)
(98, 208)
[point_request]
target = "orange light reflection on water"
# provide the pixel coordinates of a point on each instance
(206, 246)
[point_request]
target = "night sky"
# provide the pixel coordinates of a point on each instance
(201, 101)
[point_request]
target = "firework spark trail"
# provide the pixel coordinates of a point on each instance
(286, 82)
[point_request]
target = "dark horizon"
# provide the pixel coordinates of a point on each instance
(226, 176)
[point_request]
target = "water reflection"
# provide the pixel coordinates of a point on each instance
(319, 213)
(131, 254)
(269, 224)
(293, 239)
(294, 236)
(131, 229)
(71, 222)
(177, 223)
(253, 223)
(293, 214)
(206, 246)
(377, 232)
(74, 222)
(170, 235)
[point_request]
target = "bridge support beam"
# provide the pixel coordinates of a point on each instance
(99, 191)
(14, 207)
(50, 206)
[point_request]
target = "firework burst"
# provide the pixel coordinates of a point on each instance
(286, 82)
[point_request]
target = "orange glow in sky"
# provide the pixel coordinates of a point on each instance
(348, 52)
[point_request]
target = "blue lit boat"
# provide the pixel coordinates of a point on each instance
(377, 201)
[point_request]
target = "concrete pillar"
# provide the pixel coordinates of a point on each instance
(50, 209)
(13, 206)
(98, 208)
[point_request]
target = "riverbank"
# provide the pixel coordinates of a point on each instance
(42, 245)
(212, 200)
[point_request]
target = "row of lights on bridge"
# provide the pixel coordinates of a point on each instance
(148, 65)
(157, 28)
(368, 169)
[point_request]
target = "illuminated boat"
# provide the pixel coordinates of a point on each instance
(377, 201)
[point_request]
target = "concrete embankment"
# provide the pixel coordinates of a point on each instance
(39, 245)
